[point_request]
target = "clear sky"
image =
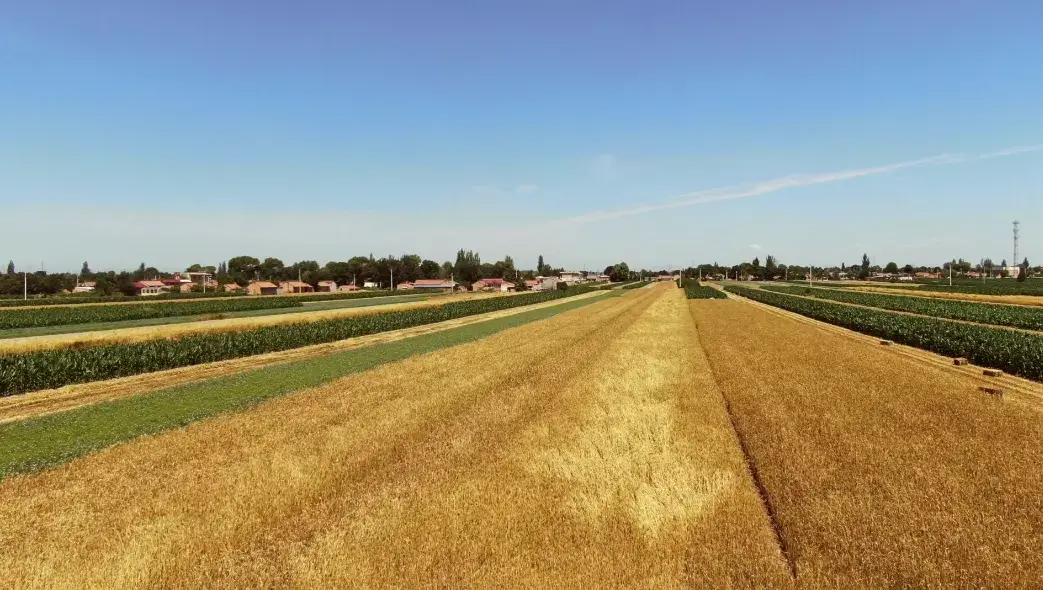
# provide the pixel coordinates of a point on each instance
(590, 132)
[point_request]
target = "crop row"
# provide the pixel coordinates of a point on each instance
(77, 299)
(1018, 353)
(694, 290)
(23, 372)
(635, 285)
(71, 315)
(1028, 318)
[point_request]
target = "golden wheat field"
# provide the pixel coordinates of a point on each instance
(640, 441)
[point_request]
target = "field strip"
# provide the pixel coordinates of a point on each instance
(1025, 392)
(54, 400)
(147, 300)
(579, 451)
(173, 330)
(884, 472)
(908, 313)
(162, 321)
(1026, 300)
(41, 441)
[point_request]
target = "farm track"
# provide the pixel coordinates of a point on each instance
(590, 449)
(39, 403)
(173, 330)
(884, 470)
(1017, 390)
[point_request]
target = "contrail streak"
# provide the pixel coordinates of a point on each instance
(743, 191)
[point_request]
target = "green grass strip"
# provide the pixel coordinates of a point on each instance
(34, 444)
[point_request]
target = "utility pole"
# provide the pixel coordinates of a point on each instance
(25, 286)
(950, 273)
(809, 275)
(392, 277)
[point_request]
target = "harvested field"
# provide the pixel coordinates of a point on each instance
(591, 449)
(884, 471)
(44, 402)
(212, 326)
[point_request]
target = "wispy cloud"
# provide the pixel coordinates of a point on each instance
(755, 246)
(742, 191)
(526, 188)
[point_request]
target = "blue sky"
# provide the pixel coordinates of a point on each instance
(175, 133)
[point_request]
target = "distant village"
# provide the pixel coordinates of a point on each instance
(201, 282)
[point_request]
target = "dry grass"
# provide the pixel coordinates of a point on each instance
(981, 298)
(224, 325)
(885, 470)
(49, 401)
(588, 450)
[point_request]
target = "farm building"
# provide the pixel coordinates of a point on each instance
(295, 287)
(572, 276)
(85, 287)
(434, 285)
(327, 287)
(546, 284)
(231, 287)
(262, 288)
(404, 286)
(492, 285)
(149, 287)
(348, 288)
(532, 285)
(370, 285)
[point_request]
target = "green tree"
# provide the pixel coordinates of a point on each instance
(1023, 271)
(864, 272)
(272, 269)
(243, 267)
(892, 267)
(429, 269)
(620, 272)
(86, 270)
(447, 271)
(10, 267)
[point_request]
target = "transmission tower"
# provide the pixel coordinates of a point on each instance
(1016, 262)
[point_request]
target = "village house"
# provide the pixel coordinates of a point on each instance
(295, 287)
(406, 286)
(546, 283)
(369, 285)
(262, 288)
(327, 287)
(231, 288)
(348, 288)
(532, 285)
(85, 287)
(434, 285)
(492, 285)
(145, 288)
